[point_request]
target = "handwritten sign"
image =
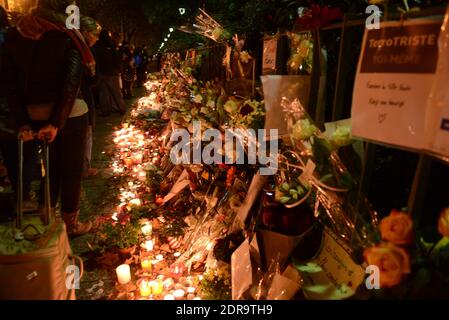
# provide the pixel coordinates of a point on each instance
(269, 56)
(332, 274)
(393, 82)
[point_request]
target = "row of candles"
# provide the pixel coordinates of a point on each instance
(151, 288)
(135, 151)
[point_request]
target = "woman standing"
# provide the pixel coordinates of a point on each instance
(46, 63)
(108, 70)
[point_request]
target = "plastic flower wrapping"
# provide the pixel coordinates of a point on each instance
(310, 159)
(301, 53)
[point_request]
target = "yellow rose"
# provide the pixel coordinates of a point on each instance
(443, 223)
(397, 228)
(393, 263)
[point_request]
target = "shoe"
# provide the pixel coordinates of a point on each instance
(75, 228)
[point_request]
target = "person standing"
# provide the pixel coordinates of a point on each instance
(45, 63)
(90, 30)
(129, 72)
(8, 133)
(108, 72)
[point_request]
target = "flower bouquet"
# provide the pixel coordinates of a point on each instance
(403, 264)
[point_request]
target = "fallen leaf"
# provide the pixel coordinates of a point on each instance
(109, 260)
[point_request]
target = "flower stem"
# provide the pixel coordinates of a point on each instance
(407, 8)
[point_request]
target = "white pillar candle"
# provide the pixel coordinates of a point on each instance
(123, 274)
(149, 245)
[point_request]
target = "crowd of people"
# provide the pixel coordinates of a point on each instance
(52, 80)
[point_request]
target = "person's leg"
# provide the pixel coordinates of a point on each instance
(117, 95)
(72, 158)
(88, 151)
(131, 89)
(88, 171)
(104, 96)
(9, 150)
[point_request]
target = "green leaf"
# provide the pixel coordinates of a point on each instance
(285, 187)
(284, 200)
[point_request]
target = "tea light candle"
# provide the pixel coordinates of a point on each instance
(191, 290)
(157, 287)
(145, 289)
(123, 274)
(179, 294)
(197, 298)
(169, 297)
(160, 257)
(146, 265)
(177, 254)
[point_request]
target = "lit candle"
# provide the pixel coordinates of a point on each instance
(177, 254)
(142, 176)
(138, 158)
(191, 290)
(169, 283)
(169, 297)
(123, 274)
(160, 257)
(179, 294)
(145, 289)
(135, 202)
(149, 245)
(146, 265)
(156, 287)
(197, 298)
(147, 229)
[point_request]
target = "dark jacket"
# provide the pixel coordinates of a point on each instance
(45, 71)
(6, 118)
(108, 58)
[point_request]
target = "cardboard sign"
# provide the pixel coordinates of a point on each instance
(395, 73)
(332, 274)
(269, 56)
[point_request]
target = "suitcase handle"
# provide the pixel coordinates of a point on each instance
(80, 265)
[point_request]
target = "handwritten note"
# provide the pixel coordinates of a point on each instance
(332, 274)
(394, 79)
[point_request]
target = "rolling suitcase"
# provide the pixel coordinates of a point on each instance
(36, 262)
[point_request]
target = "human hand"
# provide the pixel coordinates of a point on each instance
(48, 132)
(26, 133)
